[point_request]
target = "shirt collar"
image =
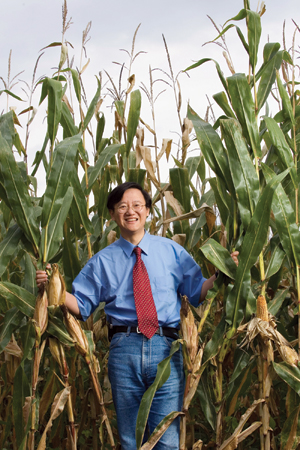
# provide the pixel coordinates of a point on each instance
(128, 247)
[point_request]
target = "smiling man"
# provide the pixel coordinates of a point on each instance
(140, 277)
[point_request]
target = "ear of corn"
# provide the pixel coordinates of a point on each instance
(262, 308)
(41, 310)
(76, 332)
(56, 287)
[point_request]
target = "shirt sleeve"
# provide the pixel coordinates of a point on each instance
(87, 288)
(193, 279)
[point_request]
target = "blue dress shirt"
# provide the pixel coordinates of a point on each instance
(107, 277)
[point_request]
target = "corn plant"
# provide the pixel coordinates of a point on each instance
(238, 346)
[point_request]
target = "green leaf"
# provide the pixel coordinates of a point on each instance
(17, 194)
(213, 346)
(253, 243)
(282, 149)
(21, 391)
(219, 257)
(52, 234)
(133, 118)
(290, 433)
(243, 173)
(57, 328)
(254, 33)
(290, 374)
(104, 157)
(179, 179)
(80, 201)
(76, 84)
(243, 105)
(92, 107)
(8, 246)
(55, 93)
(28, 338)
(285, 220)
(11, 321)
(268, 75)
(7, 127)
(40, 155)
(160, 430)
(220, 73)
(11, 94)
(207, 401)
(286, 103)
(163, 373)
(71, 262)
(58, 181)
(275, 304)
(222, 101)
(137, 176)
(19, 297)
(29, 274)
(276, 260)
(99, 132)
(212, 149)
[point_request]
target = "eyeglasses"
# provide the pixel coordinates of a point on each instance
(136, 207)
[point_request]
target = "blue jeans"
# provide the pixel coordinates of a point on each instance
(132, 367)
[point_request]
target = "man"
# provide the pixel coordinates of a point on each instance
(133, 357)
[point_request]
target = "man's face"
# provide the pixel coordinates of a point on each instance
(131, 222)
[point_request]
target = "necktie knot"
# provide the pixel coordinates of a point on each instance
(137, 251)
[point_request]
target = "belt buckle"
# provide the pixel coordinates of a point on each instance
(137, 330)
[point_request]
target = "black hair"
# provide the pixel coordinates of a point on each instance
(115, 196)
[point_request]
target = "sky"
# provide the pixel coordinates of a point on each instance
(27, 26)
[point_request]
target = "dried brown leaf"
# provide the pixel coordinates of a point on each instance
(179, 238)
(165, 148)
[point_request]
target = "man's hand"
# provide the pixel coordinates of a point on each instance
(234, 256)
(41, 276)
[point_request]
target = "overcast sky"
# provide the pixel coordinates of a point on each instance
(29, 25)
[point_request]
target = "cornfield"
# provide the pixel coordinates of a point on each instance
(240, 192)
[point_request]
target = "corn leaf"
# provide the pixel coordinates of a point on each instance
(104, 158)
(254, 33)
(220, 73)
(290, 434)
(58, 181)
(137, 176)
(179, 179)
(285, 220)
(28, 338)
(8, 246)
(290, 374)
(57, 328)
(243, 105)
(163, 373)
(252, 245)
(219, 257)
(54, 91)
(56, 409)
(283, 151)
(267, 75)
(92, 107)
(276, 260)
(52, 235)
(275, 304)
(71, 262)
(133, 118)
(7, 127)
(207, 400)
(160, 429)
(222, 101)
(10, 323)
(243, 173)
(212, 149)
(17, 194)
(80, 201)
(20, 392)
(17, 296)
(286, 103)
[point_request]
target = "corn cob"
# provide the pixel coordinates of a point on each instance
(76, 332)
(56, 288)
(262, 308)
(41, 311)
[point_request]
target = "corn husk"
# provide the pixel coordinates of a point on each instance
(189, 329)
(76, 332)
(41, 310)
(56, 287)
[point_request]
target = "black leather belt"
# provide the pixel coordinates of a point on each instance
(166, 331)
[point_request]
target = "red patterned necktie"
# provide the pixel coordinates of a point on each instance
(144, 303)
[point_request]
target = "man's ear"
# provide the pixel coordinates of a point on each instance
(111, 212)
